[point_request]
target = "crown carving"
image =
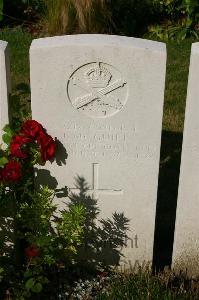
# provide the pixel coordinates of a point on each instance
(98, 77)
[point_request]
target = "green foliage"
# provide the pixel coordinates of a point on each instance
(167, 8)
(22, 11)
(39, 237)
(130, 17)
(3, 161)
(1, 10)
(1, 273)
(70, 228)
(7, 136)
(182, 16)
(190, 8)
(173, 31)
(29, 284)
(177, 19)
(55, 236)
(34, 286)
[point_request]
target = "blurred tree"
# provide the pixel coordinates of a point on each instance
(21, 11)
(1, 10)
(131, 17)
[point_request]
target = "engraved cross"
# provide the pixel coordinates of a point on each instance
(95, 191)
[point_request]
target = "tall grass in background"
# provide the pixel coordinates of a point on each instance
(76, 16)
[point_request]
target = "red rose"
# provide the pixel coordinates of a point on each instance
(16, 145)
(32, 128)
(47, 146)
(12, 171)
(32, 251)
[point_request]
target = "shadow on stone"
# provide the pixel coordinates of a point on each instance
(43, 177)
(167, 199)
(103, 239)
(61, 153)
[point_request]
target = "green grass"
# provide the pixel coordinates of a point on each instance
(143, 286)
(178, 57)
(19, 43)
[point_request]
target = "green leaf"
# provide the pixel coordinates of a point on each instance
(7, 128)
(3, 161)
(30, 284)
(182, 34)
(37, 288)
(27, 274)
(6, 138)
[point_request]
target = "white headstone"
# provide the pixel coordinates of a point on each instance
(4, 84)
(102, 97)
(186, 244)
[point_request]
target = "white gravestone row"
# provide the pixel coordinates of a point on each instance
(4, 85)
(102, 97)
(186, 244)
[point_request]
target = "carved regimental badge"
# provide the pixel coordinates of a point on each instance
(97, 89)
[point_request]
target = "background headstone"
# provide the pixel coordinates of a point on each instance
(186, 244)
(5, 87)
(102, 97)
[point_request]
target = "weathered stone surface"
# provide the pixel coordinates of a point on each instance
(186, 245)
(102, 97)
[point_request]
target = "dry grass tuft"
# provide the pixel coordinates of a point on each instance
(76, 16)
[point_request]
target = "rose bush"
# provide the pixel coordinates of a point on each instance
(32, 132)
(42, 241)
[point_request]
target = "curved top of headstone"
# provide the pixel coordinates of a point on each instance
(85, 39)
(3, 45)
(195, 47)
(5, 65)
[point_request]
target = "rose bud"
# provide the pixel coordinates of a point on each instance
(32, 251)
